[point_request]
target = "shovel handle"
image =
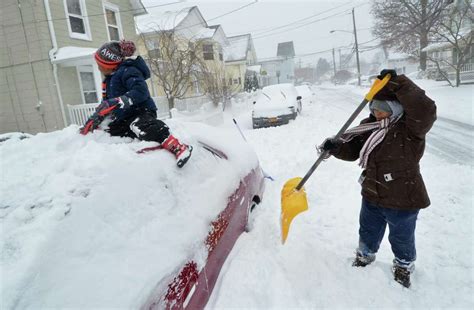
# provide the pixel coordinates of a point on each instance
(376, 87)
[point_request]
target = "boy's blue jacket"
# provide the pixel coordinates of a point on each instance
(129, 80)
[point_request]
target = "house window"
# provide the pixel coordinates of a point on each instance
(230, 81)
(236, 81)
(221, 56)
(112, 21)
(240, 80)
(153, 48)
(78, 23)
(87, 84)
(208, 52)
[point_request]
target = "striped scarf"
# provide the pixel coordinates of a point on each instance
(379, 130)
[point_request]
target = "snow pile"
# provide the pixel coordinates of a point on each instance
(88, 223)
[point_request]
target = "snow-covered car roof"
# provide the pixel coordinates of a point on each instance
(89, 223)
(304, 91)
(276, 99)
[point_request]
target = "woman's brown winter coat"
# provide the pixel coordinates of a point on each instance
(392, 178)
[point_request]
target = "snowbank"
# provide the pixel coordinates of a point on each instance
(88, 223)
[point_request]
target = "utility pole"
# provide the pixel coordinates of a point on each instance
(334, 65)
(340, 62)
(356, 47)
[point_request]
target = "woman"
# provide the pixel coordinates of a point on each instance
(389, 145)
(125, 93)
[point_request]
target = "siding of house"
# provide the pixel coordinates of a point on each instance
(68, 76)
(25, 71)
(26, 74)
(236, 70)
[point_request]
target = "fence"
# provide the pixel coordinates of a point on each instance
(78, 114)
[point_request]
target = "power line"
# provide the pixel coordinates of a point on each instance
(92, 15)
(308, 23)
(213, 18)
(307, 54)
(300, 20)
(237, 9)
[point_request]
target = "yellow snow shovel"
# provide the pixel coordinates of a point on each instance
(293, 195)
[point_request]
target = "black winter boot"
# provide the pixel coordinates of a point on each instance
(401, 275)
(362, 261)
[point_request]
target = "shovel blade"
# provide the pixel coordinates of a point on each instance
(293, 202)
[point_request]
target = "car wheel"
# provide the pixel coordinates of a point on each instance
(251, 211)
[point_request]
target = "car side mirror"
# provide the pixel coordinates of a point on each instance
(298, 98)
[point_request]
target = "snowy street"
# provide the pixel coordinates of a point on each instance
(446, 140)
(313, 269)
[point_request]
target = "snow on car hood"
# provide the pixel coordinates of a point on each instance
(88, 223)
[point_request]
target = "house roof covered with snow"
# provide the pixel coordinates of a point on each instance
(138, 7)
(162, 21)
(205, 33)
(72, 55)
(442, 45)
(238, 47)
(398, 56)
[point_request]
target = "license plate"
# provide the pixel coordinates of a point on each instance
(273, 119)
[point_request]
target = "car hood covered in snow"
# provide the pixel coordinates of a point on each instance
(88, 223)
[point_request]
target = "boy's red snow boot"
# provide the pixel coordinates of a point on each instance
(180, 150)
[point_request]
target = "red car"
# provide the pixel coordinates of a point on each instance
(89, 223)
(192, 287)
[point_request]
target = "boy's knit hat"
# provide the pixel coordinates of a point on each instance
(391, 106)
(381, 105)
(112, 53)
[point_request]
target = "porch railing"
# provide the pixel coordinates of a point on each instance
(78, 114)
(467, 67)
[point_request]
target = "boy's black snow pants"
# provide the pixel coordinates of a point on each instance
(143, 125)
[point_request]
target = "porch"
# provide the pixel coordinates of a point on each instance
(466, 73)
(78, 114)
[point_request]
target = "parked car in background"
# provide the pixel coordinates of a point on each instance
(276, 105)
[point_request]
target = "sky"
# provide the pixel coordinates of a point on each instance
(306, 23)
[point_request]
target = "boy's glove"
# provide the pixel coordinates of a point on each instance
(122, 102)
(106, 107)
(393, 85)
(331, 146)
(384, 72)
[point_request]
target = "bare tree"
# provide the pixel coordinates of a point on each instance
(405, 24)
(173, 61)
(455, 28)
(213, 79)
